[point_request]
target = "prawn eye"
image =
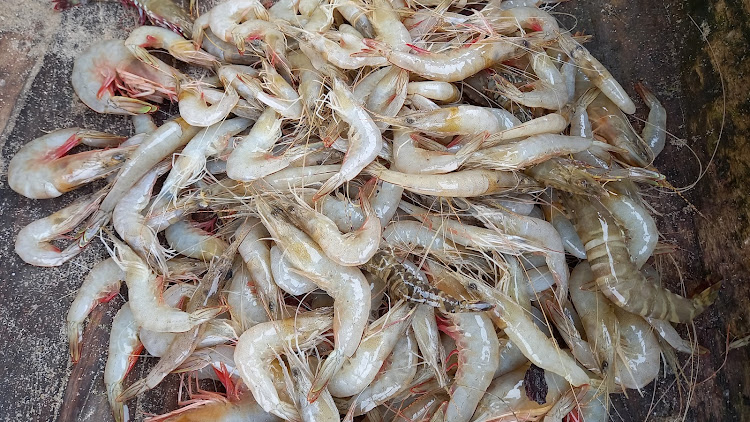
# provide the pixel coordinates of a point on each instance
(410, 120)
(119, 157)
(473, 286)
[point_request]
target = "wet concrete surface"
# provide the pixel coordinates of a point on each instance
(677, 48)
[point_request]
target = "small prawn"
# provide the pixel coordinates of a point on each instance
(144, 290)
(478, 356)
(434, 90)
(255, 251)
(154, 37)
(387, 24)
(552, 123)
(613, 126)
(132, 226)
(245, 304)
(566, 175)
(454, 120)
(549, 91)
(640, 351)
(353, 11)
(252, 159)
(196, 112)
(287, 277)
(617, 276)
(599, 75)
(187, 239)
(532, 150)
(365, 140)
(598, 318)
(397, 372)
(283, 98)
(109, 65)
(225, 17)
(454, 65)
(259, 345)
(101, 284)
(41, 169)
(567, 322)
(274, 40)
(378, 342)
(641, 233)
(321, 410)
(33, 241)
(655, 132)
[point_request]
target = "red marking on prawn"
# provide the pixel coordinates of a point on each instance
(456, 140)
(417, 390)
(208, 226)
(150, 40)
(63, 149)
(109, 296)
(471, 42)
(535, 25)
(415, 25)
(111, 78)
(225, 377)
(573, 416)
(368, 188)
(133, 358)
(418, 49)
(451, 366)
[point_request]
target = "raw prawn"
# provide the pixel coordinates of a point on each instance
(348, 287)
(619, 279)
(33, 241)
(259, 345)
(41, 169)
(109, 65)
(101, 284)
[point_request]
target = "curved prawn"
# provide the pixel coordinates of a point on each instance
(365, 140)
(259, 345)
(41, 169)
(33, 241)
(101, 284)
(154, 37)
(108, 66)
(350, 249)
(597, 73)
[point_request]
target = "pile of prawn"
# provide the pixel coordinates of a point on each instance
(365, 209)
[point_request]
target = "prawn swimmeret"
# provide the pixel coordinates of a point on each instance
(378, 210)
